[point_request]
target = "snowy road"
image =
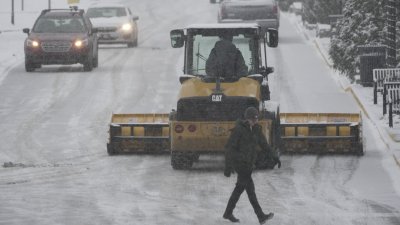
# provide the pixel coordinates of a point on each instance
(54, 131)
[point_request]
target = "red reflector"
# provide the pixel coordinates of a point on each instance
(192, 128)
(179, 128)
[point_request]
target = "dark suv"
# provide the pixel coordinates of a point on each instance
(61, 36)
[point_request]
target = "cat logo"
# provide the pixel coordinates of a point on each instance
(216, 98)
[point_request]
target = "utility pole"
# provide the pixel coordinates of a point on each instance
(22, 5)
(12, 12)
(49, 4)
(391, 33)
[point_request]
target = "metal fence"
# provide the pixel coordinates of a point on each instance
(382, 76)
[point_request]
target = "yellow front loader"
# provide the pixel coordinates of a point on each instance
(208, 107)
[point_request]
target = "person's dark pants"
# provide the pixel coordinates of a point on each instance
(244, 182)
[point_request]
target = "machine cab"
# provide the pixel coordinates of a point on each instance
(200, 39)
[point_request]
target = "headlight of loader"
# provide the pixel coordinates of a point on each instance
(32, 43)
(81, 43)
(127, 27)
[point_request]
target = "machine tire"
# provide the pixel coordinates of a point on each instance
(213, 1)
(181, 161)
(110, 150)
(264, 161)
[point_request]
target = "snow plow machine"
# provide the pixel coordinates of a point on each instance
(208, 107)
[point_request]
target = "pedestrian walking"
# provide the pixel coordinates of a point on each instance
(240, 157)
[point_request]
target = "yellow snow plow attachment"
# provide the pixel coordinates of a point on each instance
(321, 133)
(146, 133)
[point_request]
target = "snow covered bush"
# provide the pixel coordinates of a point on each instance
(363, 23)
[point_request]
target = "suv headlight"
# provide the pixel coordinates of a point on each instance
(32, 43)
(127, 27)
(81, 43)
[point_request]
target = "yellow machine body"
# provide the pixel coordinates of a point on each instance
(205, 137)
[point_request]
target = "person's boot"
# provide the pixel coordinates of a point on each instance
(263, 218)
(231, 218)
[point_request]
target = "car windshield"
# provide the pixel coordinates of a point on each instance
(106, 12)
(59, 25)
(200, 46)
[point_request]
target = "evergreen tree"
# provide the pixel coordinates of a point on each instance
(324, 8)
(363, 24)
(309, 12)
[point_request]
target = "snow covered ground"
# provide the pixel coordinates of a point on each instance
(54, 133)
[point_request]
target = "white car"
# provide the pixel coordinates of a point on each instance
(115, 23)
(323, 30)
(296, 8)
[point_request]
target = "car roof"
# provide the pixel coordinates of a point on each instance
(57, 13)
(222, 26)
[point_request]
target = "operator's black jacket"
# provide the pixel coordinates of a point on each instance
(226, 60)
(242, 145)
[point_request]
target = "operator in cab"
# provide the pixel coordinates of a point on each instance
(225, 60)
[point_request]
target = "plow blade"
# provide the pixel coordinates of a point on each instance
(138, 133)
(321, 133)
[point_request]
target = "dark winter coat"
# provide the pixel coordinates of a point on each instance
(226, 60)
(241, 148)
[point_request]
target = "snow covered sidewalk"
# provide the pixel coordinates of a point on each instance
(363, 95)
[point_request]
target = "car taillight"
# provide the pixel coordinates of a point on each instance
(179, 128)
(192, 128)
(222, 11)
(275, 9)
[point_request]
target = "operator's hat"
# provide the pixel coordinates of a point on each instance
(251, 113)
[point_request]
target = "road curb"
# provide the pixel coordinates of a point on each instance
(360, 104)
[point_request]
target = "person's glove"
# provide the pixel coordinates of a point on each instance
(227, 172)
(277, 162)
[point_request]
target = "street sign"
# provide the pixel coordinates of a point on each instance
(73, 2)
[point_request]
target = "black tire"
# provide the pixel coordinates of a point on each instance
(134, 43)
(88, 65)
(181, 161)
(96, 60)
(29, 67)
(110, 150)
(213, 1)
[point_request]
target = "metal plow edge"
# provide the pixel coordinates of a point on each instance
(139, 133)
(321, 133)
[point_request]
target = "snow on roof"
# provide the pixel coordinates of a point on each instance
(222, 25)
(324, 26)
(297, 5)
